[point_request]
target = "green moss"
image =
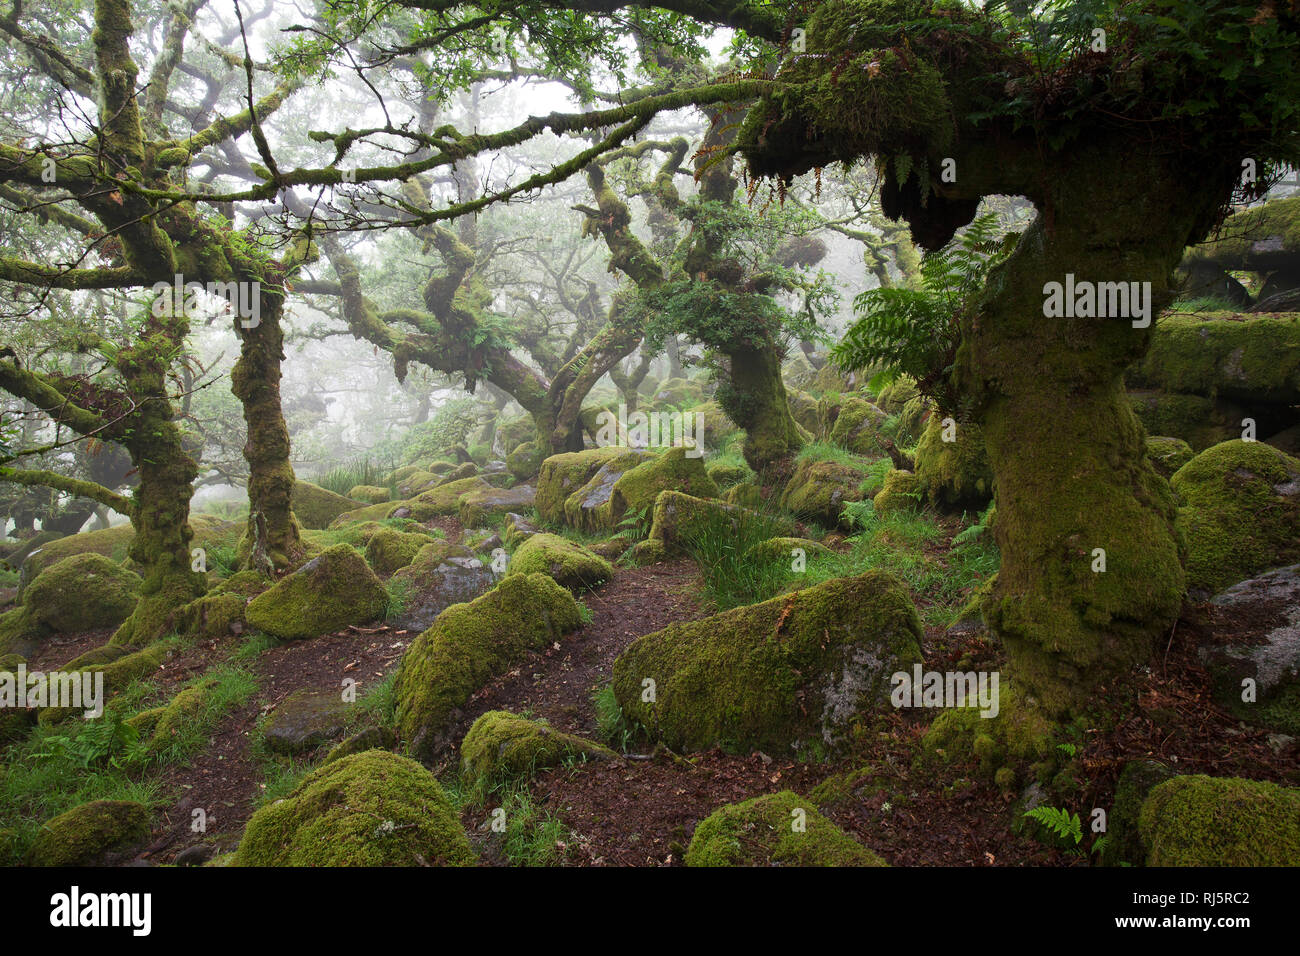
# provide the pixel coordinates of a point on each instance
(370, 809)
(370, 514)
(901, 491)
(481, 506)
(502, 746)
(82, 592)
(954, 474)
(212, 616)
(780, 548)
(911, 422)
(635, 492)
(1221, 821)
(525, 459)
(413, 482)
(445, 499)
(329, 592)
(112, 543)
(1250, 358)
(819, 490)
(563, 475)
(1018, 737)
(1274, 226)
(469, 644)
(778, 829)
(370, 494)
(389, 550)
(21, 633)
(84, 834)
(857, 428)
(1136, 781)
(159, 727)
(677, 518)
(791, 673)
(1167, 455)
(1240, 512)
(569, 563)
(1197, 420)
(315, 507)
(895, 396)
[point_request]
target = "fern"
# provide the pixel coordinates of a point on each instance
(916, 331)
(1063, 823)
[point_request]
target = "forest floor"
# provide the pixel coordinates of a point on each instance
(641, 809)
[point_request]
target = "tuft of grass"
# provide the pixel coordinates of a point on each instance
(718, 543)
(362, 470)
(825, 451)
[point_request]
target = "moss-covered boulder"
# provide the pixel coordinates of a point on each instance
(484, 505)
(516, 529)
(1136, 781)
(1240, 512)
(1247, 358)
(713, 426)
(370, 809)
(957, 473)
(857, 428)
(81, 593)
(111, 542)
(1168, 454)
(370, 494)
(911, 422)
(21, 633)
(468, 645)
(91, 833)
(315, 507)
(803, 409)
(1197, 820)
(561, 476)
(440, 575)
(894, 396)
(369, 516)
(306, 719)
(589, 508)
(785, 549)
(900, 491)
(501, 745)
(416, 481)
(819, 488)
(569, 563)
(389, 550)
(525, 459)
(332, 590)
(679, 393)
(679, 518)
(789, 674)
(724, 474)
(1196, 419)
(466, 469)
(161, 727)
(778, 829)
(445, 499)
(676, 469)
(1251, 632)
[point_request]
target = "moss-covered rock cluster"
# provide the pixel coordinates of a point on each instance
(567, 562)
(820, 488)
(471, 643)
(501, 745)
(857, 428)
(332, 590)
(957, 473)
(369, 809)
(790, 674)
(1239, 510)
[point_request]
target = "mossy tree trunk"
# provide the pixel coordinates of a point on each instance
(755, 399)
(272, 539)
(1069, 460)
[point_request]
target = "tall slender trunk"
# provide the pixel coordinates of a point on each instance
(272, 540)
(161, 501)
